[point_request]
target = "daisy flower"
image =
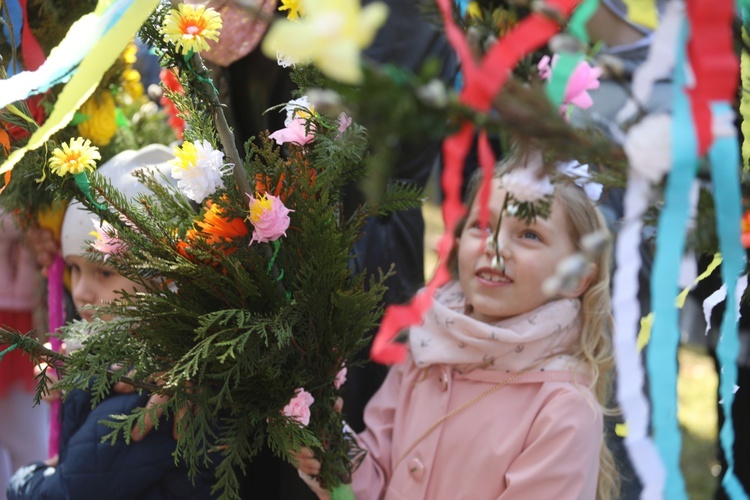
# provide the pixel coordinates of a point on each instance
(190, 27)
(77, 157)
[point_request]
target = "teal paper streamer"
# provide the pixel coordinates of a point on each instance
(581, 16)
(83, 184)
(725, 164)
(342, 492)
(566, 64)
(6, 351)
(661, 360)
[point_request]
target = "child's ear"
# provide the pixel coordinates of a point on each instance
(583, 284)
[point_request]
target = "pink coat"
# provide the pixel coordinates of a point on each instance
(536, 438)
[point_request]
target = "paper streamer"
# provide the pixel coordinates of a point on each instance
(718, 296)
(661, 359)
(626, 312)
(660, 61)
(482, 83)
(724, 156)
(643, 13)
(56, 319)
(90, 71)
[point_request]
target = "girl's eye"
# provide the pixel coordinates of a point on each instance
(106, 273)
(530, 235)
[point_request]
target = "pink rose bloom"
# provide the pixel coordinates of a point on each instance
(584, 78)
(269, 217)
(294, 133)
(298, 407)
(340, 378)
(106, 241)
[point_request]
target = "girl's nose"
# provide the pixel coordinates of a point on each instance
(82, 293)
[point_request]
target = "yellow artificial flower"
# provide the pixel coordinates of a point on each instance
(101, 124)
(294, 8)
(129, 55)
(331, 36)
(131, 83)
(474, 11)
(74, 158)
(190, 27)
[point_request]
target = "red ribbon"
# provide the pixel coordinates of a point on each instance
(714, 63)
(481, 84)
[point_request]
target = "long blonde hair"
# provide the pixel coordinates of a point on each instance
(594, 347)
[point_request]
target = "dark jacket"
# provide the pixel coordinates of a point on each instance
(90, 469)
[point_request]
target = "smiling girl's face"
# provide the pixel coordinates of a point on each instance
(95, 284)
(531, 253)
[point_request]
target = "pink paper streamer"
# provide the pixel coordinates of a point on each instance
(56, 311)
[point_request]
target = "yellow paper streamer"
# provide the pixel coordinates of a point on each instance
(643, 13)
(745, 102)
(86, 79)
(644, 335)
(621, 430)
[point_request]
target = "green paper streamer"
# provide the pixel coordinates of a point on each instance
(566, 64)
(83, 184)
(120, 119)
(577, 24)
(78, 118)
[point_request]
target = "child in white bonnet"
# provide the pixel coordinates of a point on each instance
(145, 469)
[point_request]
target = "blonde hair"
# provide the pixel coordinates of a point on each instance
(594, 347)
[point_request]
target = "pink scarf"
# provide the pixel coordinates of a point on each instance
(447, 335)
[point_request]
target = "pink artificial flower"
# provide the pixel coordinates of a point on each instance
(584, 78)
(340, 378)
(294, 132)
(344, 121)
(298, 407)
(106, 241)
(269, 217)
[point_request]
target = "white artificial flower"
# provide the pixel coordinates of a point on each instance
(199, 169)
(527, 183)
(648, 146)
(297, 108)
(580, 175)
(284, 61)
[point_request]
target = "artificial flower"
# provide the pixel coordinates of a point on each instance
(648, 146)
(296, 133)
(190, 27)
(101, 122)
(270, 218)
(198, 169)
(300, 108)
(217, 228)
(331, 36)
(584, 78)
(745, 221)
(293, 7)
(344, 121)
(528, 183)
(340, 378)
(170, 82)
(74, 158)
(581, 176)
(5, 141)
(298, 407)
(107, 240)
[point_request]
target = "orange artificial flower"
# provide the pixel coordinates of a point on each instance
(217, 229)
(745, 221)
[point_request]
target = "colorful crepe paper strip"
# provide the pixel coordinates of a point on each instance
(56, 319)
(482, 83)
(725, 160)
(16, 21)
(662, 352)
(643, 13)
(123, 18)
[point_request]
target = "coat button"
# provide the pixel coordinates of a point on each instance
(445, 379)
(416, 468)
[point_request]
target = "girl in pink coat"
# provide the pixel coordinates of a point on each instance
(502, 395)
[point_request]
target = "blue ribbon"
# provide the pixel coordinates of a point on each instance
(16, 20)
(725, 164)
(661, 360)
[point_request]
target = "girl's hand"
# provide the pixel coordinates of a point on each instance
(306, 462)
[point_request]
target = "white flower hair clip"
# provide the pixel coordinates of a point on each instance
(580, 175)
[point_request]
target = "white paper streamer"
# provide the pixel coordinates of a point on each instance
(719, 296)
(660, 61)
(626, 310)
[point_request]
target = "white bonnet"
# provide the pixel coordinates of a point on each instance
(77, 225)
